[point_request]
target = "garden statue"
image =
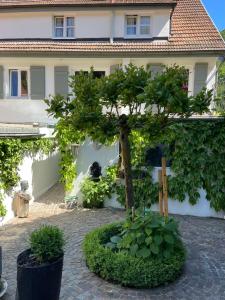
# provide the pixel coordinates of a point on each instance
(22, 200)
(95, 171)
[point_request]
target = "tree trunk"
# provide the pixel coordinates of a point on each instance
(126, 160)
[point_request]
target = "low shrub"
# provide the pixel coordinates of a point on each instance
(126, 269)
(149, 235)
(95, 192)
(47, 243)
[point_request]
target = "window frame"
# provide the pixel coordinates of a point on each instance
(19, 70)
(65, 27)
(138, 27)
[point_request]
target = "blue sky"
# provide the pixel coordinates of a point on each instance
(216, 10)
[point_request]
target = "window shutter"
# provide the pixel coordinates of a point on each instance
(155, 69)
(113, 68)
(201, 73)
(1, 82)
(61, 80)
(37, 78)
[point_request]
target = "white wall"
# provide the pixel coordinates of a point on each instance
(41, 171)
(89, 153)
(108, 155)
(88, 24)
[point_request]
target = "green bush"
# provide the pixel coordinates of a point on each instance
(47, 243)
(148, 236)
(95, 192)
(121, 267)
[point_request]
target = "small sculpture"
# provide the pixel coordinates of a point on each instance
(95, 171)
(22, 200)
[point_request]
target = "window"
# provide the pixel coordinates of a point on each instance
(64, 27)
(18, 83)
(96, 74)
(131, 25)
(145, 25)
(137, 26)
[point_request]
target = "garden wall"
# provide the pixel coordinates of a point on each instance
(41, 171)
(89, 153)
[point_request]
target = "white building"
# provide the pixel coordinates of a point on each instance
(43, 42)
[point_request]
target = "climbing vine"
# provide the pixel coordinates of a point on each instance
(198, 161)
(12, 152)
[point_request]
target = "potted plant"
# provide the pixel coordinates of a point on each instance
(39, 269)
(3, 282)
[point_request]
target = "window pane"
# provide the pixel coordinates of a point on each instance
(14, 83)
(59, 22)
(59, 32)
(99, 74)
(24, 86)
(144, 30)
(131, 21)
(145, 20)
(131, 30)
(70, 21)
(70, 32)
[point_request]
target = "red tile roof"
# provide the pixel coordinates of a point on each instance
(191, 31)
(22, 3)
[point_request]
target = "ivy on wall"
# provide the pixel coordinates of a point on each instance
(12, 152)
(198, 161)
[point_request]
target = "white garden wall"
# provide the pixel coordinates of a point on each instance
(41, 171)
(105, 156)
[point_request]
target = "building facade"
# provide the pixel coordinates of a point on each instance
(42, 43)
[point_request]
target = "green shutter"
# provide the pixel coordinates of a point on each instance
(1, 82)
(201, 74)
(155, 69)
(37, 78)
(61, 80)
(113, 68)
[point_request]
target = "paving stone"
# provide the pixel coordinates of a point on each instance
(203, 277)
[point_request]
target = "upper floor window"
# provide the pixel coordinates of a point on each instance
(18, 83)
(64, 27)
(137, 26)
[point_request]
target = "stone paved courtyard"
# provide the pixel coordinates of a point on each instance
(203, 276)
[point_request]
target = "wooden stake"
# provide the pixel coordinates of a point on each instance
(160, 193)
(165, 190)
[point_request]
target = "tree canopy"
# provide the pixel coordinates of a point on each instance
(110, 107)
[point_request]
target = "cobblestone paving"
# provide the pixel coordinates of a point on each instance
(203, 276)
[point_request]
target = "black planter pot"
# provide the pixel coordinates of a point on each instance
(38, 282)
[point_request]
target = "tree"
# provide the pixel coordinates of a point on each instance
(110, 107)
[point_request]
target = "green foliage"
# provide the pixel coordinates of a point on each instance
(220, 103)
(66, 136)
(12, 152)
(47, 243)
(2, 207)
(198, 161)
(148, 236)
(95, 192)
(126, 269)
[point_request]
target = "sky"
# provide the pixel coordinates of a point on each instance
(216, 10)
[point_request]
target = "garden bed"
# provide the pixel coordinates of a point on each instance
(125, 269)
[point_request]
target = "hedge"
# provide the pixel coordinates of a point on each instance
(125, 269)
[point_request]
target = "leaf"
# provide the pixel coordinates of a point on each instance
(144, 252)
(133, 249)
(115, 239)
(158, 239)
(154, 248)
(148, 240)
(169, 239)
(166, 253)
(148, 231)
(110, 245)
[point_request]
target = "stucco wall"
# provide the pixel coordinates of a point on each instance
(88, 24)
(41, 172)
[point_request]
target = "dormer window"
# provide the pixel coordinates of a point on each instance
(137, 26)
(64, 27)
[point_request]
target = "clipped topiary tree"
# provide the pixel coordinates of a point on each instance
(109, 108)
